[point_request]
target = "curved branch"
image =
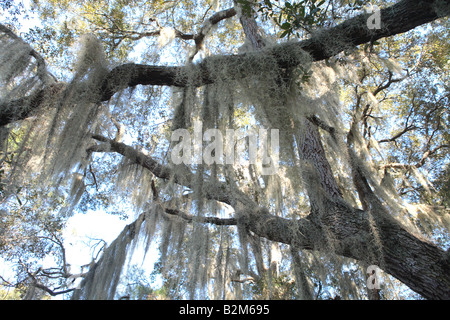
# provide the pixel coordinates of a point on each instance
(350, 230)
(214, 190)
(213, 20)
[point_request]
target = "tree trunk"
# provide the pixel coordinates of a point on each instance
(312, 152)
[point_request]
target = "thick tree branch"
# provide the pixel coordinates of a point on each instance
(401, 17)
(419, 264)
(398, 18)
(214, 190)
(23, 108)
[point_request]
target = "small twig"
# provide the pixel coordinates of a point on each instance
(93, 177)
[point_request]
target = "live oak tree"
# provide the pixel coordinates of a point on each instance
(362, 114)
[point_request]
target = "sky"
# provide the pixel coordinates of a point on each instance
(83, 230)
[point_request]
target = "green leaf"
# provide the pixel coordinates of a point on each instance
(286, 26)
(285, 33)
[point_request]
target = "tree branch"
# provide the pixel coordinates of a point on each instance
(213, 20)
(398, 18)
(350, 229)
(41, 65)
(198, 38)
(52, 292)
(214, 190)
(211, 220)
(399, 134)
(420, 163)
(401, 17)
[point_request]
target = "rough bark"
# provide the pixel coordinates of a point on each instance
(312, 151)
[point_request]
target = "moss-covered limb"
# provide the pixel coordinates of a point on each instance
(417, 263)
(101, 281)
(24, 107)
(41, 64)
(307, 134)
(213, 190)
(140, 158)
(20, 109)
(210, 220)
(401, 17)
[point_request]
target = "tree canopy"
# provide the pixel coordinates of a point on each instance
(268, 149)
